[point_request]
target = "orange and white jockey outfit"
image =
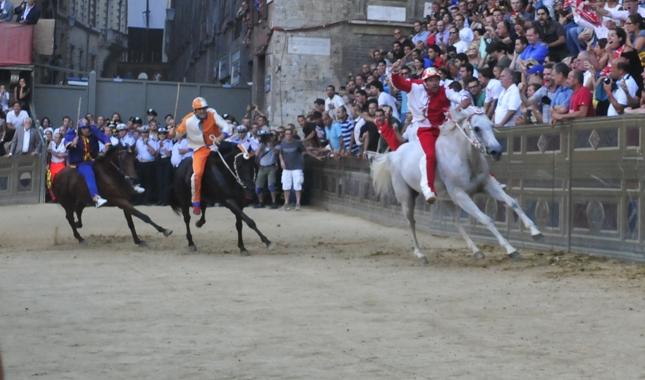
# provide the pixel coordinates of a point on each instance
(201, 134)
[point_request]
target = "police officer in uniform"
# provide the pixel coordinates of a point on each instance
(147, 150)
(164, 167)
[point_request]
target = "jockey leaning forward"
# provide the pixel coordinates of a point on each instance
(428, 103)
(83, 148)
(203, 129)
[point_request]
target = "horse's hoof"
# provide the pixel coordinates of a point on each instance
(538, 236)
(166, 233)
(192, 248)
(515, 256)
(141, 244)
(479, 255)
(244, 252)
(269, 245)
(82, 241)
(424, 260)
(199, 223)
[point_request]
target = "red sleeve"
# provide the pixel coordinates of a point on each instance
(401, 83)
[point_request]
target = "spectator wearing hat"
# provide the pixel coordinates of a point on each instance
(151, 114)
(123, 138)
(147, 150)
(244, 138)
(267, 160)
(164, 166)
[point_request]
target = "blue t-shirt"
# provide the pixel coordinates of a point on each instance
(536, 51)
(562, 97)
(333, 134)
(292, 154)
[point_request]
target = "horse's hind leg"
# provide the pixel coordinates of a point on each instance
(185, 211)
(240, 242)
(462, 200)
(79, 216)
(407, 204)
(494, 189)
(235, 209)
(201, 220)
(128, 218)
(69, 215)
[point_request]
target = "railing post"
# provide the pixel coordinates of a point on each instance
(91, 92)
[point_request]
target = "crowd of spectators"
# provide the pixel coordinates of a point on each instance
(523, 62)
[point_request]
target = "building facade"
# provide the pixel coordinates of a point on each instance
(88, 35)
(289, 50)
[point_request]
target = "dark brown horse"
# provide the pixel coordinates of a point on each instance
(115, 177)
(230, 183)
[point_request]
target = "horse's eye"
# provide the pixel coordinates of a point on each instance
(477, 129)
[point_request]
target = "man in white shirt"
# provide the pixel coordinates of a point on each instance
(615, 93)
(492, 88)
(17, 117)
(147, 149)
(509, 102)
(333, 101)
(384, 99)
(26, 140)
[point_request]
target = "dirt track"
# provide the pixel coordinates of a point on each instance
(336, 298)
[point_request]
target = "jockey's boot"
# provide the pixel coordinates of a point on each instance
(430, 196)
(99, 201)
(197, 210)
(138, 189)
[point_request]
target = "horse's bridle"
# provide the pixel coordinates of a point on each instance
(466, 128)
(118, 167)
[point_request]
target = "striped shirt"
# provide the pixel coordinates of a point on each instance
(347, 131)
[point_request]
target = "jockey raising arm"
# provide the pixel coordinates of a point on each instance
(428, 104)
(203, 129)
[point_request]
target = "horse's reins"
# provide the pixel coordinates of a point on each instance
(233, 173)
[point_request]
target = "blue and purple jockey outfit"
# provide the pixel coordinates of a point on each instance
(82, 156)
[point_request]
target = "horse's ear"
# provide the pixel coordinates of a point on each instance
(458, 115)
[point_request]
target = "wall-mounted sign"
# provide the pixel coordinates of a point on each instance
(385, 13)
(309, 45)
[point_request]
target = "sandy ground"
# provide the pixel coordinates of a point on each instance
(336, 298)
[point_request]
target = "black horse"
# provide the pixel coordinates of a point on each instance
(115, 177)
(229, 183)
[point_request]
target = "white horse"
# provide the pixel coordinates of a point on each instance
(463, 169)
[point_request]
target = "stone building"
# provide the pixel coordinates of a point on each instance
(89, 34)
(290, 50)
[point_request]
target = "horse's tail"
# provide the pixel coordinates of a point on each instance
(381, 174)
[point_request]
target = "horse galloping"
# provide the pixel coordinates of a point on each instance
(229, 179)
(115, 177)
(463, 170)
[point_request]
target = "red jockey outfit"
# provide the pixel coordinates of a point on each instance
(428, 114)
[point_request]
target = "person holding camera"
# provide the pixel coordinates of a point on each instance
(620, 87)
(267, 160)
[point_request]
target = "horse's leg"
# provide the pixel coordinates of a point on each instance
(495, 190)
(464, 201)
(202, 220)
(69, 215)
(186, 213)
(235, 209)
(124, 204)
(469, 242)
(79, 216)
(407, 204)
(128, 218)
(240, 242)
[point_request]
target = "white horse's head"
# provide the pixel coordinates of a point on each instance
(481, 129)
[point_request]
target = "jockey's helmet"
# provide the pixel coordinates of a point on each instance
(199, 103)
(429, 73)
